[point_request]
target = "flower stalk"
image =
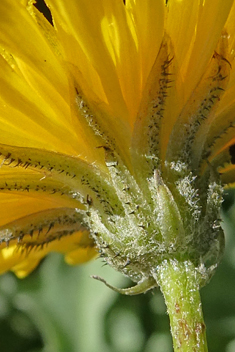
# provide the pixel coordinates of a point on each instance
(179, 283)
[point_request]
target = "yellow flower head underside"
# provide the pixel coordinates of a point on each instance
(109, 58)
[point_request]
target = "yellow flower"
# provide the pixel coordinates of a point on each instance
(114, 121)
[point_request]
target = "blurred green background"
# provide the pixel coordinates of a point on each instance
(59, 308)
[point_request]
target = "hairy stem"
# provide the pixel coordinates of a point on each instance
(179, 283)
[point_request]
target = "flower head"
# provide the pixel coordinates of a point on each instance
(117, 122)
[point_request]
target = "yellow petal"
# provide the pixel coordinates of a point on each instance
(104, 69)
(230, 29)
(22, 262)
(15, 205)
(81, 255)
(80, 31)
(38, 119)
(29, 43)
(228, 175)
(148, 24)
(37, 92)
(201, 23)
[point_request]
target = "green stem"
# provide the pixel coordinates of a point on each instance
(179, 283)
